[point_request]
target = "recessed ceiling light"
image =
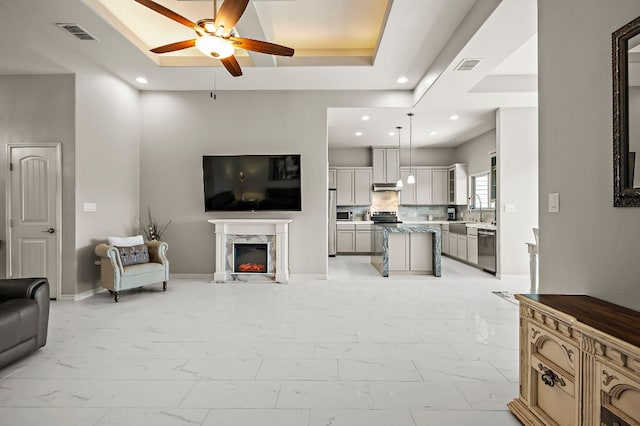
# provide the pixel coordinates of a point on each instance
(392, 133)
(454, 117)
(358, 133)
(433, 133)
(142, 80)
(402, 80)
(365, 117)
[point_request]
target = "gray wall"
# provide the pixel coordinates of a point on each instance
(179, 127)
(588, 247)
(362, 157)
(40, 108)
(475, 152)
(107, 167)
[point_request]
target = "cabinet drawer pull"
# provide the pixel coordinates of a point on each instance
(549, 377)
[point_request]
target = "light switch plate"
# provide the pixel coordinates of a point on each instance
(509, 208)
(89, 207)
(554, 202)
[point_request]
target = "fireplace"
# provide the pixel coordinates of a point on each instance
(267, 237)
(251, 258)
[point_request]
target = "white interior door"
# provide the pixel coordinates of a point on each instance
(34, 234)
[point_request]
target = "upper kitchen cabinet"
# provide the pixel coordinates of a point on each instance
(457, 184)
(332, 178)
(430, 187)
(439, 185)
(353, 186)
(386, 164)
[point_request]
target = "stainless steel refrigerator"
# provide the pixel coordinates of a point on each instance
(332, 222)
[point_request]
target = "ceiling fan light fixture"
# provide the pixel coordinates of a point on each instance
(214, 46)
(209, 26)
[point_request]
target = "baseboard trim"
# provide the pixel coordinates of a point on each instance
(81, 296)
(209, 277)
(205, 277)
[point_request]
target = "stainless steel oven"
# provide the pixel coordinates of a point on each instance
(487, 250)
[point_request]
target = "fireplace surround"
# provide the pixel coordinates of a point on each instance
(271, 235)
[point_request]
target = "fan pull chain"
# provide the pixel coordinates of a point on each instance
(213, 92)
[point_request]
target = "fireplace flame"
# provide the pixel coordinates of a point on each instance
(251, 267)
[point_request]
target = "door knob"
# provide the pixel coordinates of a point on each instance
(50, 231)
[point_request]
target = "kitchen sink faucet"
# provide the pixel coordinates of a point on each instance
(477, 197)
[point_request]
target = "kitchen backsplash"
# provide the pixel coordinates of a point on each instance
(423, 213)
(417, 212)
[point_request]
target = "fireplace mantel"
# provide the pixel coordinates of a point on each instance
(228, 230)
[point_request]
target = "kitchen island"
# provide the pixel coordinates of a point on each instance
(406, 248)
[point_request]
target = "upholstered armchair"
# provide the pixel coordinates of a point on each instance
(24, 317)
(123, 268)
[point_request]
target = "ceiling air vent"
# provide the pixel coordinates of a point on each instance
(76, 31)
(467, 64)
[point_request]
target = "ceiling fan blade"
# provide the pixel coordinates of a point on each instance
(232, 65)
(229, 13)
(261, 46)
(172, 47)
(170, 14)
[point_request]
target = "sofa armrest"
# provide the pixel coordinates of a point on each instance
(20, 288)
(105, 251)
(30, 288)
(158, 251)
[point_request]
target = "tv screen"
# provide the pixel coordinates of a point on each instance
(252, 182)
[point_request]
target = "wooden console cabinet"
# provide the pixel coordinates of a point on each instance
(579, 362)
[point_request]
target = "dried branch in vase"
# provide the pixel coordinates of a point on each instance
(152, 231)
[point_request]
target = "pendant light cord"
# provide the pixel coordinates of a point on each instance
(399, 182)
(410, 142)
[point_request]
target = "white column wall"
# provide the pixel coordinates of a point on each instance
(517, 157)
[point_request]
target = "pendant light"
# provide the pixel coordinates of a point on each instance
(399, 182)
(411, 179)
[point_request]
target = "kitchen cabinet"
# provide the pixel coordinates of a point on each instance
(363, 237)
(332, 178)
(430, 187)
(410, 252)
(420, 252)
(353, 186)
(386, 165)
(345, 238)
(578, 362)
(439, 187)
(407, 196)
(472, 245)
(462, 246)
(457, 184)
(453, 244)
(398, 252)
(353, 238)
(445, 239)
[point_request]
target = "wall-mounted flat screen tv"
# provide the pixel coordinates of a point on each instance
(252, 182)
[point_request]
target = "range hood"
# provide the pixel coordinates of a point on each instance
(379, 187)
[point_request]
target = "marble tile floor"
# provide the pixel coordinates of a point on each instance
(356, 349)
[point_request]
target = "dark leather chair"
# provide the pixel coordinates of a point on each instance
(24, 317)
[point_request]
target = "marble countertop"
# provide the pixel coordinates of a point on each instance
(481, 225)
(409, 221)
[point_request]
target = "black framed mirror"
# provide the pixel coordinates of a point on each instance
(626, 115)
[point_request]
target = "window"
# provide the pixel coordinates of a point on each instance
(480, 192)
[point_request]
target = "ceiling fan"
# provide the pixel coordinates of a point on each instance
(215, 37)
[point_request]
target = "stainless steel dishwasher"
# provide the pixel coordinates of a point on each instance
(487, 250)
